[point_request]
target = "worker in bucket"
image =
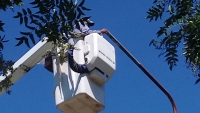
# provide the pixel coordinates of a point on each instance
(82, 32)
(82, 29)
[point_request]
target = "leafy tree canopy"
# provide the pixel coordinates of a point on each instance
(4, 4)
(46, 18)
(180, 29)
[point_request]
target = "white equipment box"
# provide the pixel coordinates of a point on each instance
(100, 58)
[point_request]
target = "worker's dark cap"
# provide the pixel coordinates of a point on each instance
(89, 22)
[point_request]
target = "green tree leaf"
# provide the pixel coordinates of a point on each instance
(84, 8)
(21, 20)
(25, 33)
(81, 12)
(1, 45)
(20, 41)
(35, 2)
(26, 42)
(181, 25)
(31, 28)
(82, 2)
(26, 20)
(32, 38)
(29, 11)
(24, 11)
(1, 26)
(197, 81)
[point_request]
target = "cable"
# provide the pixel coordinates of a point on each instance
(144, 70)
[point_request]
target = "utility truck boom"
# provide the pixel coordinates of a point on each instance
(28, 61)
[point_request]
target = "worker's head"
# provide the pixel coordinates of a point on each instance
(88, 21)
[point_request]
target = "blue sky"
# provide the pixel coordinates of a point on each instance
(129, 90)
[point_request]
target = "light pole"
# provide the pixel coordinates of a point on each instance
(144, 70)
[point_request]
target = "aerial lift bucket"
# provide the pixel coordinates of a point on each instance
(84, 92)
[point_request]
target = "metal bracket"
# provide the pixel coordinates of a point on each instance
(25, 68)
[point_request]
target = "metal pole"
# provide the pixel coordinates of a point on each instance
(144, 70)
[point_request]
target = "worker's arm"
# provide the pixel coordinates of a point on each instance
(98, 31)
(79, 68)
(48, 63)
(93, 31)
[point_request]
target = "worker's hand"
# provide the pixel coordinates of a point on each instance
(78, 49)
(104, 31)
